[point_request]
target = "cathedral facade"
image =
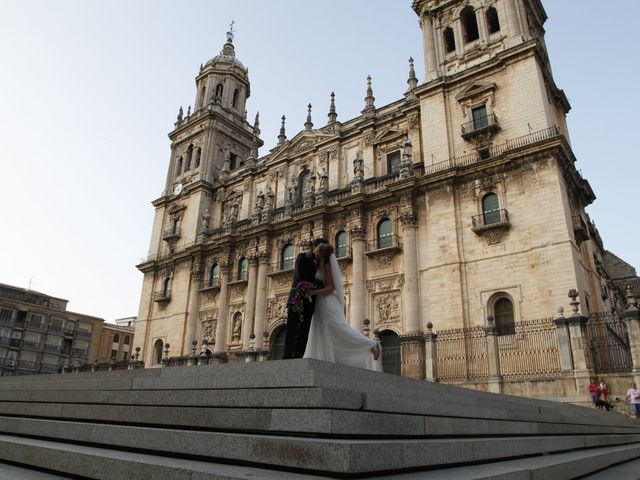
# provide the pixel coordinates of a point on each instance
(457, 206)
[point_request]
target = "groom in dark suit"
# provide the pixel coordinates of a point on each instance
(298, 323)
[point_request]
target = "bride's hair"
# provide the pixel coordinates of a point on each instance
(324, 251)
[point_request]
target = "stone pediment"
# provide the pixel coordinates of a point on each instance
(475, 89)
(389, 134)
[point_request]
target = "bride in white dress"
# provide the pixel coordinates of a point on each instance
(331, 338)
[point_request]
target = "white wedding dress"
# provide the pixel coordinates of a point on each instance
(331, 338)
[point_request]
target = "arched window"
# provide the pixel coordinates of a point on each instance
(242, 269)
(469, 24)
(157, 352)
(166, 287)
(175, 226)
(236, 97)
(449, 40)
(218, 95)
(187, 163)
(214, 275)
(198, 155)
(286, 257)
(277, 343)
(503, 316)
(390, 343)
(493, 22)
(490, 209)
(179, 167)
(127, 339)
(384, 234)
(342, 250)
(303, 184)
(116, 338)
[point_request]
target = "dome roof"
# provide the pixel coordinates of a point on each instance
(227, 55)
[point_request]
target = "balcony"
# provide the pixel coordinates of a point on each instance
(49, 368)
(171, 234)
(162, 296)
(4, 341)
(580, 228)
(52, 348)
(344, 256)
(491, 224)
(487, 125)
(211, 286)
(68, 332)
(35, 327)
(27, 365)
(79, 352)
(383, 250)
(83, 334)
(6, 321)
(14, 342)
(31, 345)
(281, 273)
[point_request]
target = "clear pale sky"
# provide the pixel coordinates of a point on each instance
(89, 90)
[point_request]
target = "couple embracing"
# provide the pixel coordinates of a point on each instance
(316, 323)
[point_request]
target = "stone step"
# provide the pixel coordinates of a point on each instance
(337, 456)
(378, 392)
(317, 421)
(620, 463)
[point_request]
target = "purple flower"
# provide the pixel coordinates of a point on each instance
(305, 285)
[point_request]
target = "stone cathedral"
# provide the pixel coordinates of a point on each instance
(456, 206)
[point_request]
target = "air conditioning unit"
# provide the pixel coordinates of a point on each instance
(10, 363)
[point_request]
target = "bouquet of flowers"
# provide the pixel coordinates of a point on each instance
(298, 294)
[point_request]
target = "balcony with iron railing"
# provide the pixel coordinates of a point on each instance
(80, 352)
(15, 342)
(83, 334)
(6, 320)
(48, 348)
(211, 286)
(162, 295)
(34, 327)
(480, 125)
(383, 244)
(489, 220)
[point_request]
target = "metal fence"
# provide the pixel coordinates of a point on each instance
(462, 355)
(608, 342)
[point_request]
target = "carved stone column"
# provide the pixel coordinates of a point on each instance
(431, 64)
(632, 317)
(247, 326)
(430, 354)
(193, 300)
(261, 298)
(579, 349)
(412, 354)
(564, 342)
(493, 357)
(223, 314)
(512, 19)
(356, 316)
(412, 321)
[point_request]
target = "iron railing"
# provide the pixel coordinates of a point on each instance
(162, 295)
(494, 218)
(608, 342)
(480, 124)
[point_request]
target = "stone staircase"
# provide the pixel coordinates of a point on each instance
(300, 419)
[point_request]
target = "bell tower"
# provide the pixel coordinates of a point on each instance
(208, 144)
(458, 35)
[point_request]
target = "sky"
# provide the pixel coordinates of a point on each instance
(90, 89)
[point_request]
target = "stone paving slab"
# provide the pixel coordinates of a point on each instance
(11, 472)
(345, 456)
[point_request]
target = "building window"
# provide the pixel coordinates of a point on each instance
(202, 96)
(242, 269)
(166, 287)
(157, 352)
(342, 250)
(303, 184)
(116, 338)
(469, 24)
(503, 314)
(179, 167)
(480, 118)
(6, 315)
(449, 40)
(175, 226)
(277, 343)
(233, 161)
(490, 209)
(493, 22)
(124, 356)
(287, 258)
(393, 162)
(36, 321)
(236, 96)
(384, 234)
(187, 162)
(214, 275)
(114, 355)
(127, 339)
(198, 155)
